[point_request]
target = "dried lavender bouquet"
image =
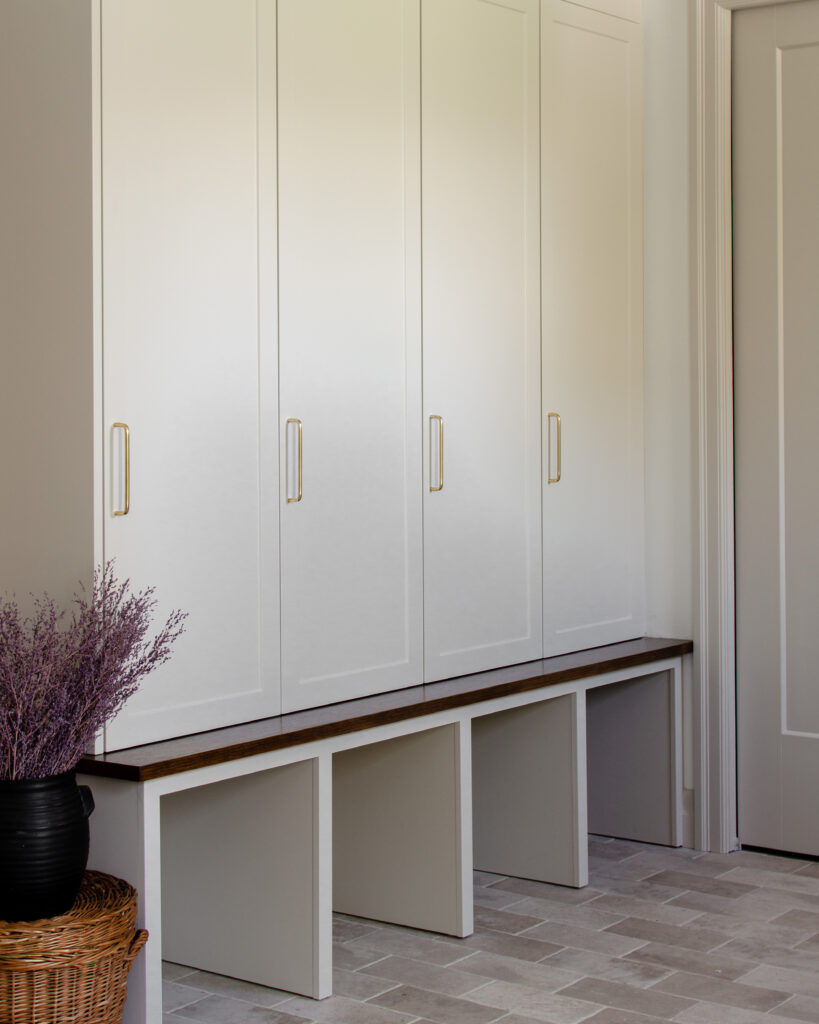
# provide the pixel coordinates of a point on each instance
(62, 680)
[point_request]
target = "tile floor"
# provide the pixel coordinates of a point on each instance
(658, 935)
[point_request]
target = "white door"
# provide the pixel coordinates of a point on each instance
(776, 262)
(482, 562)
(189, 349)
(349, 280)
(593, 537)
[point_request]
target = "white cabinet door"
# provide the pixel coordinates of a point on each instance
(592, 328)
(482, 558)
(189, 347)
(349, 223)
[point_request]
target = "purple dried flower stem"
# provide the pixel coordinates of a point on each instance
(59, 686)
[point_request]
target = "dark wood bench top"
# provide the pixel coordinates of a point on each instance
(155, 760)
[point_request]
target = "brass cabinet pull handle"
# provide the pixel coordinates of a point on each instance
(440, 485)
(556, 417)
(127, 506)
(299, 458)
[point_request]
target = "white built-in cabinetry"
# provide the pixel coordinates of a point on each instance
(315, 273)
(593, 494)
(480, 259)
(349, 347)
(187, 290)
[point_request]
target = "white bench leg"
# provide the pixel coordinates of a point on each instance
(401, 830)
(529, 783)
(125, 843)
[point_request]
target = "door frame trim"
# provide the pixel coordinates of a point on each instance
(715, 650)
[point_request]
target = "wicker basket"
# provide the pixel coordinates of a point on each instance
(72, 969)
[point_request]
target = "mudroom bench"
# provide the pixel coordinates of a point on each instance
(242, 841)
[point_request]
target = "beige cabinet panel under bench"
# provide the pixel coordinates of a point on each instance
(634, 762)
(254, 870)
(529, 785)
(402, 830)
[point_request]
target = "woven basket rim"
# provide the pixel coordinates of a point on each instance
(101, 920)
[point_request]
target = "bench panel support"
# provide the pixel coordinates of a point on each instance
(529, 766)
(402, 849)
(634, 759)
(243, 892)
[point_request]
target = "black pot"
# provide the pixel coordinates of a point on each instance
(43, 845)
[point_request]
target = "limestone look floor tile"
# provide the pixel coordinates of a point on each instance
(688, 936)
(534, 1002)
(611, 1016)
(633, 906)
(713, 964)
(542, 890)
(585, 963)
(588, 915)
(628, 997)
(338, 1010)
(805, 919)
(357, 985)
(450, 981)
(222, 1010)
(587, 938)
(436, 1006)
(658, 935)
(175, 996)
(523, 947)
(717, 990)
(793, 883)
(547, 975)
(504, 920)
(638, 889)
(707, 884)
(710, 1013)
(497, 899)
(800, 1008)
(218, 985)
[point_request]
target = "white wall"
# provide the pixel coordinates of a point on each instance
(669, 357)
(668, 354)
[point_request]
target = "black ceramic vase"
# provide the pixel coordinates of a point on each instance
(43, 845)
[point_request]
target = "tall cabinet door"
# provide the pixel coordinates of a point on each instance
(592, 326)
(189, 348)
(482, 557)
(349, 225)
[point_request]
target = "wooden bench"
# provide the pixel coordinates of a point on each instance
(242, 841)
